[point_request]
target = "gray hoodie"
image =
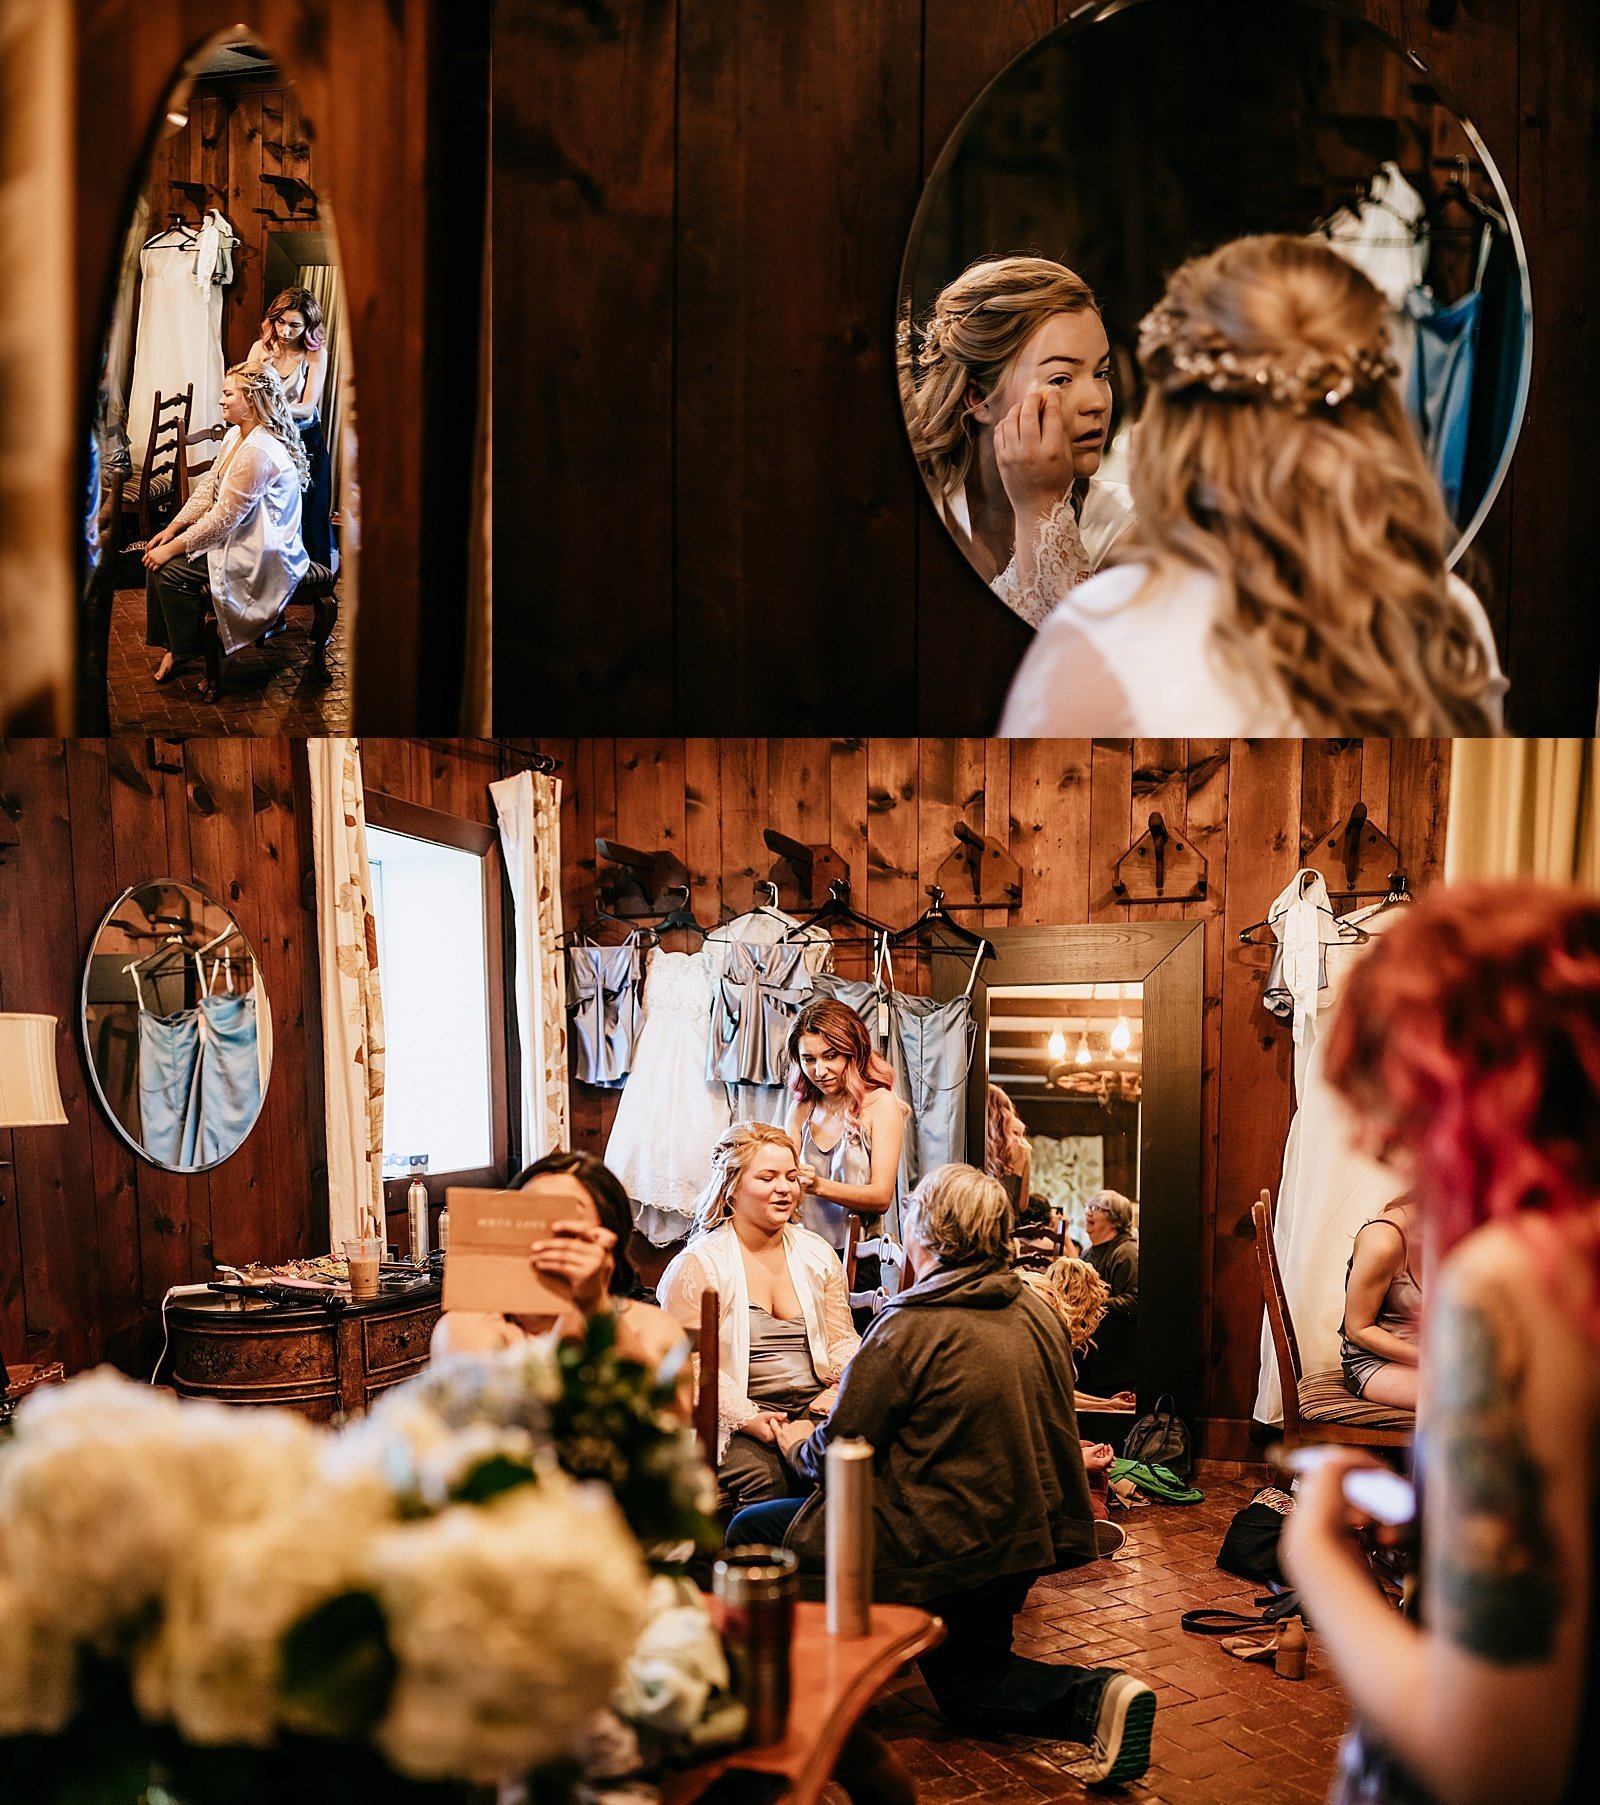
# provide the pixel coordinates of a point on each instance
(963, 1386)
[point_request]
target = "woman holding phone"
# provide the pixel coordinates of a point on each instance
(1468, 1041)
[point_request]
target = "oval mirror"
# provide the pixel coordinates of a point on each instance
(1144, 132)
(176, 1025)
(222, 450)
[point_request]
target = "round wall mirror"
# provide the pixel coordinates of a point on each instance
(176, 1025)
(1145, 132)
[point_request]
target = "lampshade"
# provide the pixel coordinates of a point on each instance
(29, 1094)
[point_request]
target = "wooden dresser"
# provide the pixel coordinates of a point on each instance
(322, 1362)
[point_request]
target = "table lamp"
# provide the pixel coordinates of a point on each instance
(30, 1097)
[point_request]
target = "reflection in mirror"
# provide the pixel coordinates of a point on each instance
(1148, 133)
(176, 1025)
(1069, 1060)
(222, 460)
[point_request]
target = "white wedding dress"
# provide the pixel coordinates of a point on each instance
(669, 1117)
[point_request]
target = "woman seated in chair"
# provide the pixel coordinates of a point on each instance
(1382, 1311)
(235, 545)
(785, 1333)
(583, 1257)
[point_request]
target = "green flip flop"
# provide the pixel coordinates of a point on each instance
(1156, 1482)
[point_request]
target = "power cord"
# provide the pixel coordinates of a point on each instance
(166, 1330)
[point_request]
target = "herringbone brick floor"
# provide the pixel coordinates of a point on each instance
(265, 690)
(1227, 1732)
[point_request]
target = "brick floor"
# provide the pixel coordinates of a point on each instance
(1227, 1732)
(265, 690)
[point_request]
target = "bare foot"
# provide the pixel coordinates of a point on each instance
(165, 668)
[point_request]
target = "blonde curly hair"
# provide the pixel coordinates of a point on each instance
(264, 389)
(979, 325)
(730, 1159)
(1274, 452)
(1078, 1295)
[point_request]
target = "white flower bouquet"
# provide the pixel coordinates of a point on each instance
(196, 1601)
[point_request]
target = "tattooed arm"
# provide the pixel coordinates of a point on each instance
(1482, 1703)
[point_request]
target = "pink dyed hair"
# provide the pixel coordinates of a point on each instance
(838, 1026)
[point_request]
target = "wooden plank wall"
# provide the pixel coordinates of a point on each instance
(90, 1235)
(716, 521)
(237, 132)
(1067, 809)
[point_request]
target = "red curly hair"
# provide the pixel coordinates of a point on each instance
(1470, 1038)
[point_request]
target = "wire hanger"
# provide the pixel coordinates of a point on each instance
(1458, 192)
(1349, 932)
(599, 917)
(771, 909)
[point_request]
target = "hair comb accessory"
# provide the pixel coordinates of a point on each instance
(1176, 364)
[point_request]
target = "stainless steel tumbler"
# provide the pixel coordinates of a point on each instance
(848, 1488)
(755, 1589)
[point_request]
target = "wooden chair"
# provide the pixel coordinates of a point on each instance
(708, 1343)
(188, 470)
(156, 491)
(1317, 1406)
(852, 1248)
(317, 590)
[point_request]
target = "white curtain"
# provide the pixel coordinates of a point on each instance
(1524, 808)
(352, 1003)
(529, 810)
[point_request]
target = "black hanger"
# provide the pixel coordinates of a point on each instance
(838, 907)
(1458, 192)
(935, 917)
(680, 917)
(598, 917)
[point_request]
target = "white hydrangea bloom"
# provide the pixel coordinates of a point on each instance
(107, 1482)
(510, 1622)
(37, 1669)
(212, 1667)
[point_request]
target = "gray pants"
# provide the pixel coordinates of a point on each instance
(753, 1472)
(175, 597)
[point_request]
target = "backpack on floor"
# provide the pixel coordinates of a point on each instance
(1160, 1439)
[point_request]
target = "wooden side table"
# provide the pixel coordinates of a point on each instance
(832, 1683)
(322, 1362)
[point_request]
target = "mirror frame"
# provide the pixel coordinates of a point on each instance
(1168, 959)
(1096, 12)
(182, 883)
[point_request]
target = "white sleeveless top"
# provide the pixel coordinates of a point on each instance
(1112, 661)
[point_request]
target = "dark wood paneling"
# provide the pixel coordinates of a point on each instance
(1066, 809)
(91, 1236)
(714, 515)
(375, 90)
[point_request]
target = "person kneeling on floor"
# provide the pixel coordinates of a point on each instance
(979, 1476)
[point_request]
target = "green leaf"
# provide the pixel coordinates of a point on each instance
(337, 1669)
(494, 1474)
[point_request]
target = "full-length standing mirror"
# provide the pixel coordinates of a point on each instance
(1094, 1034)
(1141, 133)
(176, 1025)
(223, 482)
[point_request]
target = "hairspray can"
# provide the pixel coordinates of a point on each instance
(755, 1592)
(417, 1221)
(847, 1486)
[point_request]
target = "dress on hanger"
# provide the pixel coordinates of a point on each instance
(1386, 237)
(762, 979)
(669, 1117)
(1439, 387)
(1328, 1188)
(603, 1009)
(178, 337)
(230, 1073)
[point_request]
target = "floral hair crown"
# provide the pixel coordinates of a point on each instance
(1175, 363)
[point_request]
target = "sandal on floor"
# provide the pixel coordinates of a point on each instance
(1218, 1623)
(1259, 1647)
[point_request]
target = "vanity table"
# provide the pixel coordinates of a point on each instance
(322, 1360)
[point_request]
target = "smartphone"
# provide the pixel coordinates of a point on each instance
(1377, 1492)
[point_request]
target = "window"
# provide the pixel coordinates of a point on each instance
(436, 900)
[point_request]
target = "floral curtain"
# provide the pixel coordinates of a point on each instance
(529, 810)
(352, 1002)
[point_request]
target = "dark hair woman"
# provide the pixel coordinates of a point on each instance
(294, 342)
